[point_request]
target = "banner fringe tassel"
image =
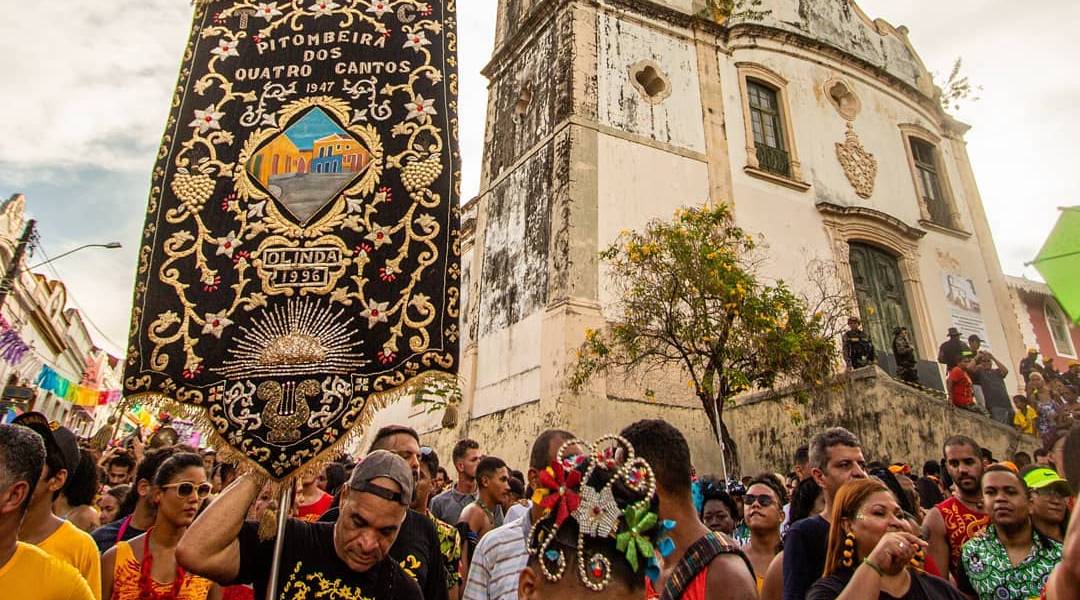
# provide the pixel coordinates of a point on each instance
(202, 423)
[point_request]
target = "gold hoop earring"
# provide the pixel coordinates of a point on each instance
(919, 560)
(849, 551)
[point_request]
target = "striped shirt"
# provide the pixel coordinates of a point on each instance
(498, 561)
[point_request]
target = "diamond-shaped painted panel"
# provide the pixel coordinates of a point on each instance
(309, 163)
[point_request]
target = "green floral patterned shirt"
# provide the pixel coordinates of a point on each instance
(450, 548)
(987, 571)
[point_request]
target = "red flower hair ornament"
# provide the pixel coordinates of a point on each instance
(603, 493)
(559, 493)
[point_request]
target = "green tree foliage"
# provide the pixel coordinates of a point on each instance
(957, 88)
(743, 10)
(691, 301)
(438, 394)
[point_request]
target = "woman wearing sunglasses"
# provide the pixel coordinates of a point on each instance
(144, 568)
(763, 506)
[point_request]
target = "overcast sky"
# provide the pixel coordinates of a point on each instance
(86, 93)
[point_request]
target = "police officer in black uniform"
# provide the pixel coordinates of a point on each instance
(858, 348)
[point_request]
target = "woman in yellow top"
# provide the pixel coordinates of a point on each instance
(1025, 416)
(145, 568)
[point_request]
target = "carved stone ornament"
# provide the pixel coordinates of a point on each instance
(859, 165)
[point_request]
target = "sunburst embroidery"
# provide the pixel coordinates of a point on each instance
(303, 337)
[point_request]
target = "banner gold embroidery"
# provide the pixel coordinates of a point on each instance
(301, 255)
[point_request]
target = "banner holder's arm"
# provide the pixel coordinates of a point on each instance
(284, 507)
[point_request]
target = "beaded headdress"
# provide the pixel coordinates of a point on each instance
(604, 494)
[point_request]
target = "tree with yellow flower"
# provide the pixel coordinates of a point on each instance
(690, 297)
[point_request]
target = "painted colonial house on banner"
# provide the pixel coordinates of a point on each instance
(821, 127)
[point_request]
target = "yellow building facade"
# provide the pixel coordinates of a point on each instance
(279, 157)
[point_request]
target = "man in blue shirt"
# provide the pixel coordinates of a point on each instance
(835, 458)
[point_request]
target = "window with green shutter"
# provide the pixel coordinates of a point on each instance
(767, 124)
(929, 182)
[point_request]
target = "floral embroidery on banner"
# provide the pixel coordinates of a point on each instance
(302, 228)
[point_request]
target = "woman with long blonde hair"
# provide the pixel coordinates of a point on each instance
(872, 554)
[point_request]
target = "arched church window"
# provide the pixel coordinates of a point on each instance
(768, 124)
(928, 179)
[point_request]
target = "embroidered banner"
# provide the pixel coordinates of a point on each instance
(300, 262)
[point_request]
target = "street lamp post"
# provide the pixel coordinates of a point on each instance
(13, 270)
(110, 245)
(25, 241)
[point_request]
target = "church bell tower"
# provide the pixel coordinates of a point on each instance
(595, 122)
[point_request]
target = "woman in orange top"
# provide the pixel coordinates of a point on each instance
(144, 568)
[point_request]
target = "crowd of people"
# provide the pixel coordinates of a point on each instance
(623, 516)
(976, 380)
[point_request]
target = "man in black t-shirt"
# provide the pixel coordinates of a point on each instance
(858, 347)
(350, 557)
(835, 459)
(1030, 364)
(417, 547)
(417, 552)
(951, 350)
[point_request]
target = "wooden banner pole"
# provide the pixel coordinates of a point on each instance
(284, 507)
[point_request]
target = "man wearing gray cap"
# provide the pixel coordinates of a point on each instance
(350, 555)
(417, 548)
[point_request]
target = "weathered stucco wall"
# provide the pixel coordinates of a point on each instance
(792, 226)
(639, 183)
(525, 100)
(844, 26)
(895, 423)
(515, 245)
(509, 434)
(624, 45)
(576, 152)
(684, 6)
